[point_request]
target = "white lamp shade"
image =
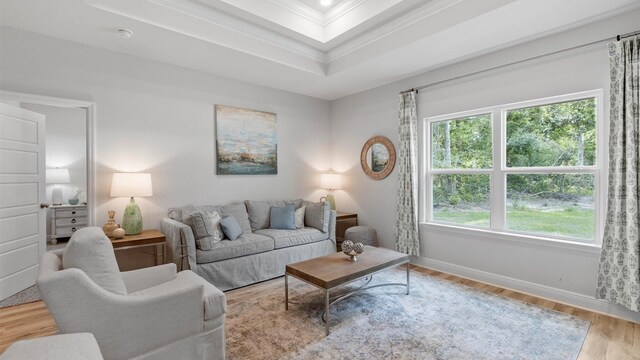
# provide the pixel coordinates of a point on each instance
(331, 181)
(131, 184)
(58, 176)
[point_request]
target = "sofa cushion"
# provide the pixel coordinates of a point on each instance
(57, 347)
(215, 302)
(296, 202)
(259, 212)
(91, 251)
(206, 229)
(283, 217)
(287, 238)
(316, 215)
(247, 244)
(238, 211)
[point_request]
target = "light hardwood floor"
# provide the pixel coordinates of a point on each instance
(608, 338)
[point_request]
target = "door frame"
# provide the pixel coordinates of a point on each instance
(90, 108)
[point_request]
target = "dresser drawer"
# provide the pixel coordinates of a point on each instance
(71, 221)
(67, 231)
(71, 213)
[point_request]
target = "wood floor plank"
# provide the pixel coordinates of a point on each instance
(635, 347)
(608, 337)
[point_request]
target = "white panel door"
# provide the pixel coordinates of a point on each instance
(22, 190)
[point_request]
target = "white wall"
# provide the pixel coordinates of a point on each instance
(66, 145)
(549, 269)
(159, 118)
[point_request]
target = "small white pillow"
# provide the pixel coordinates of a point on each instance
(91, 251)
(299, 217)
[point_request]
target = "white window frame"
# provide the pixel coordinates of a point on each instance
(499, 171)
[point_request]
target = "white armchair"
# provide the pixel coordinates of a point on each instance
(162, 315)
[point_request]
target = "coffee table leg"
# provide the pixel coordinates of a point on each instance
(286, 291)
(326, 311)
(408, 266)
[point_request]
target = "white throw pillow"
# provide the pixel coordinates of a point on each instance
(91, 251)
(206, 229)
(299, 217)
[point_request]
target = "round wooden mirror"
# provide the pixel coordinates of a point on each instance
(378, 157)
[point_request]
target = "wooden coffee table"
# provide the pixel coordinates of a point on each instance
(331, 271)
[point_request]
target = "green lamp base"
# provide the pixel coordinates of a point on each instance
(132, 219)
(331, 200)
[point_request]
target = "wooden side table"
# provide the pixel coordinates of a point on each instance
(145, 238)
(343, 222)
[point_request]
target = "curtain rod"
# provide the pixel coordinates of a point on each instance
(618, 37)
(628, 35)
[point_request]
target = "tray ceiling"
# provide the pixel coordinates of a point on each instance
(300, 46)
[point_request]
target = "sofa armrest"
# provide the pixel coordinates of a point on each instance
(181, 244)
(332, 226)
(115, 319)
(140, 279)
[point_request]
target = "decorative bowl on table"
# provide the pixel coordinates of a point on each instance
(352, 250)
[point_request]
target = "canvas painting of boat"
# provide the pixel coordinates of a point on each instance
(246, 142)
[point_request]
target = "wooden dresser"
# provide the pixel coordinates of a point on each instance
(66, 219)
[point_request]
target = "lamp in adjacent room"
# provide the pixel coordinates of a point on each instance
(131, 185)
(57, 176)
(331, 182)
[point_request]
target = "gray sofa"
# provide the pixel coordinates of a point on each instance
(259, 254)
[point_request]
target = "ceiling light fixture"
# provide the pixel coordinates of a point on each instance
(124, 33)
(325, 2)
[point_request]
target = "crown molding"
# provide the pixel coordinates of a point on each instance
(208, 21)
(389, 28)
(139, 10)
(302, 10)
(317, 17)
(307, 21)
(341, 10)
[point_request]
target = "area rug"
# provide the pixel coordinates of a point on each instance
(438, 320)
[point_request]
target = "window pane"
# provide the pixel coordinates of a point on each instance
(462, 143)
(561, 134)
(462, 199)
(555, 204)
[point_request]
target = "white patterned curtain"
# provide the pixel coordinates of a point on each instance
(407, 239)
(619, 273)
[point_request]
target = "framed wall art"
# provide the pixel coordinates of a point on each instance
(246, 141)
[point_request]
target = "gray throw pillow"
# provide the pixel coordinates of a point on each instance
(283, 217)
(91, 251)
(316, 215)
(206, 229)
(230, 227)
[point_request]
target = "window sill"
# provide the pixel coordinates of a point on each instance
(492, 235)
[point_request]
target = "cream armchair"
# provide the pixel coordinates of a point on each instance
(161, 314)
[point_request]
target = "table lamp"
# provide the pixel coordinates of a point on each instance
(131, 185)
(331, 182)
(57, 176)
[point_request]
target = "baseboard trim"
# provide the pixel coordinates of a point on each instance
(542, 291)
